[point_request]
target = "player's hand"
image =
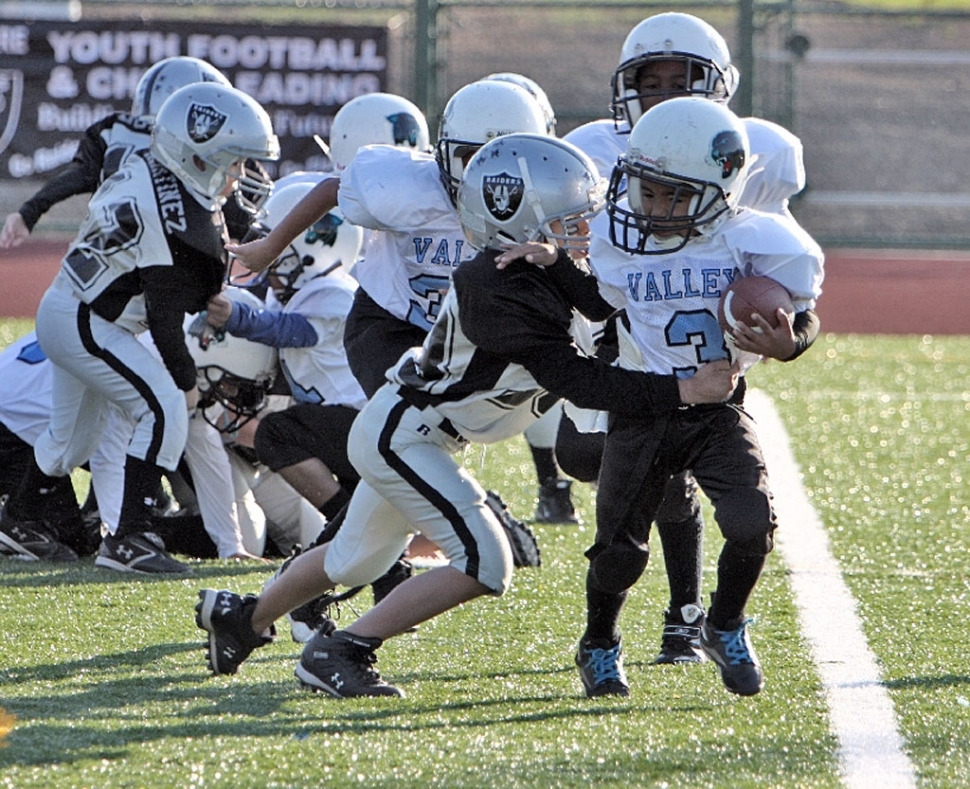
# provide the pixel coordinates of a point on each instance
(534, 252)
(714, 382)
(14, 231)
(255, 255)
(218, 311)
(245, 556)
(763, 339)
(192, 399)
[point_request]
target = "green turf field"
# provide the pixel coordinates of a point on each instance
(106, 676)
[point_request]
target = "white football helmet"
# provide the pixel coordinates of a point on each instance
(528, 187)
(377, 118)
(205, 132)
(535, 91)
(327, 243)
(692, 154)
(675, 37)
(232, 371)
(477, 113)
(166, 77)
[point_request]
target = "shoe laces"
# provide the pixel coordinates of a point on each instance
(363, 661)
(735, 645)
(604, 664)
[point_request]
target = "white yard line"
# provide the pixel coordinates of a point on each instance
(861, 712)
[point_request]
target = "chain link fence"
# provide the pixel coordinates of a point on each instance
(878, 98)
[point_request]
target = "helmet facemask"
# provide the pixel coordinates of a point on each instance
(241, 398)
(451, 156)
(670, 231)
(701, 77)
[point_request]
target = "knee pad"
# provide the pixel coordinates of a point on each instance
(746, 518)
(618, 566)
(680, 502)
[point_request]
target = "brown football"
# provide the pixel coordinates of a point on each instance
(747, 295)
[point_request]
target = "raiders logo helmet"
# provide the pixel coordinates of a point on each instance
(205, 132)
(682, 174)
(167, 76)
(528, 187)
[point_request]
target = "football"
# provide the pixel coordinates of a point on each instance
(747, 295)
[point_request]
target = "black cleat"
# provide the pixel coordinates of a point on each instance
(227, 618)
(731, 650)
(555, 502)
(342, 665)
(601, 668)
(681, 639)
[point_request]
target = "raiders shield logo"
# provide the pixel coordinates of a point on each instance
(204, 122)
(11, 100)
(502, 195)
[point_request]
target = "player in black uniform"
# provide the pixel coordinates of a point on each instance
(150, 250)
(498, 355)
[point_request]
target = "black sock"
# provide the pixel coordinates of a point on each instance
(331, 508)
(737, 575)
(683, 547)
(602, 613)
(36, 489)
(141, 487)
(329, 531)
(545, 462)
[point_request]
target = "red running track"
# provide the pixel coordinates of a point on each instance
(865, 291)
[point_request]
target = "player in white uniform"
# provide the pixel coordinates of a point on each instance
(407, 199)
(667, 55)
(407, 196)
(499, 345)
(236, 376)
(106, 144)
(150, 250)
(312, 284)
(664, 256)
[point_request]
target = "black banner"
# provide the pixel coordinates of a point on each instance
(57, 78)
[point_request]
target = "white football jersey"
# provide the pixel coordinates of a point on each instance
(320, 373)
(671, 299)
(407, 266)
(777, 170)
(142, 217)
(25, 404)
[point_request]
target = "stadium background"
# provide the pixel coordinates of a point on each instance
(877, 98)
